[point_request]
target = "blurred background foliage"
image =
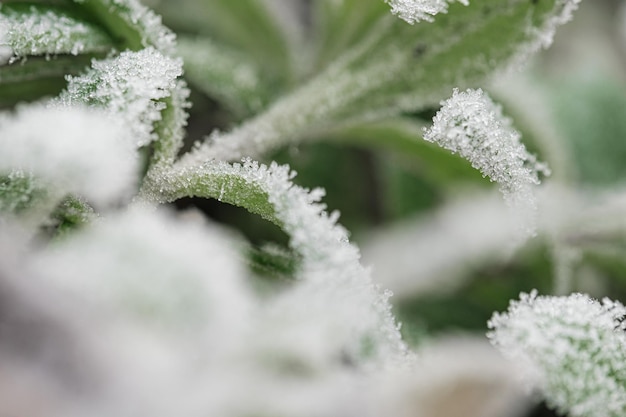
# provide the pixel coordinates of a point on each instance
(266, 48)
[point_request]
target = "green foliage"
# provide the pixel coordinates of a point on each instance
(344, 92)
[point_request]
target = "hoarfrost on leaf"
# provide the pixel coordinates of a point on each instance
(329, 272)
(86, 153)
(131, 86)
(414, 11)
(473, 126)
(573, 348)
(46, 32)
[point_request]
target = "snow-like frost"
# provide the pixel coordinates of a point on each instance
(163, 271)
(45, 32)
(86, 153)
(572, 347)
(330, 272)
(473, 126)
(414, 11)
(131, 87)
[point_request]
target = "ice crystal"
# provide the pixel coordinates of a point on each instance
(416, 10)
(46, 32)
(131, 86)
(573, 347)
(472, 125)
(86, 152)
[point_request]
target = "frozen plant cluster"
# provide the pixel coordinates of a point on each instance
(114, 301)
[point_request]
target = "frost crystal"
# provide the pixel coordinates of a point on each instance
(131, 86)
(416, 10)
(470, 124)
(44, 32)
(574, 347)
(86, 152)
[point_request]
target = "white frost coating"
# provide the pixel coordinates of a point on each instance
(329, 274)
(86, 152)
(162, 271)
(330, 268)
(42, 32)
(573, 347)
(414, 11)
(473, 126)
(128, 86)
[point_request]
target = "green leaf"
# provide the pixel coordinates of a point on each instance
(40, 45)
(43, 30)
(225, 74)
(397, 68)
(133, 25)
(247, 25)
(340, 25)
(19, 192)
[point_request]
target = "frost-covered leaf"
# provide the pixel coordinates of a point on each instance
(86, 153)
(132, 87)
(414, 11)
(148, 265)
(329, 266)
(574, 349)
(470, 124)
(340, 25)
(396, 68)
(251, 26)
(134, 24)
(224, 74)
(19, 191)
(31, 30)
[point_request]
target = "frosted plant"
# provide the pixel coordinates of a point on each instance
(131, 87)
(470, 124)
(47, 32)
(102, 167)
(415, 10)
(205, 323)
(573, 347)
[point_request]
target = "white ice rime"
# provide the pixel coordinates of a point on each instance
(45, 32)
(330, 272)
(160, 271)
(473, 126)
(131, 86)
(86, 152)
(574, 349)
(414, 11)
